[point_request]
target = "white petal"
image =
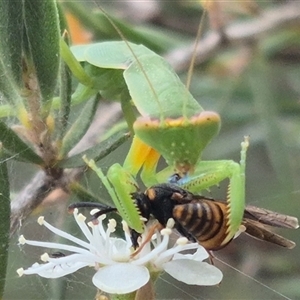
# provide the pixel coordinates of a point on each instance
(51, 270)
(193, 272)
(170, 253)
(121, 278)
(199, 255)
(119, 250)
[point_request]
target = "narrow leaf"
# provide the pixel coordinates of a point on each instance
(11, 51)
(14, 145)
(42, 30)
(82, 193)
(8, 88)
(65, 98)
(7, 110)
(155, 37)
(11, 38)
(4, 221)
(79, 127)
(96, 152)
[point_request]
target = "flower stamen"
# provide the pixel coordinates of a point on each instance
(112, 258)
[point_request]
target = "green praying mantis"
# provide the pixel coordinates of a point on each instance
(171, 124)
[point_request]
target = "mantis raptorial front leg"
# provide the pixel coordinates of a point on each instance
(120, 185)
(210, 173)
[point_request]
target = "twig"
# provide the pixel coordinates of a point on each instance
(240, 33)
(43, 184)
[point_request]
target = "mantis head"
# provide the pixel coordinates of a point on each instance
(179, 140)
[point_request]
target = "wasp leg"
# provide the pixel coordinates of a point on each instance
(152, 230)
(182, 231)
(134, 236)
(211, 257)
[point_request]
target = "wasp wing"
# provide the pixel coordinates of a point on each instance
(269, 217)
(259, 231)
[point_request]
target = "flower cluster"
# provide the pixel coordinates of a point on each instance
(117, 270)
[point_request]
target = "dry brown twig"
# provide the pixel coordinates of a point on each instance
(42, 184)
(239, 33)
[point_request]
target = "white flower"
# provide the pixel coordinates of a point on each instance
(117, 270)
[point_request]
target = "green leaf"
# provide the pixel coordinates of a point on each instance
(65, 100)
(79, 127)
(63, 22)
(42, 31)
(82, 193)
(11, 39)
(7, 110)
(283, 40)
(74, 65)
(10, 50)
(96, 152)
(14, 145)
(156, 38)
(8, 87)
(4, 221)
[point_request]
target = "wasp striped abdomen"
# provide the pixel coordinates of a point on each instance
(205, 220)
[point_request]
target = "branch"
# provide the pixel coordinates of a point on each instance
(43, 184)
(239, 33)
